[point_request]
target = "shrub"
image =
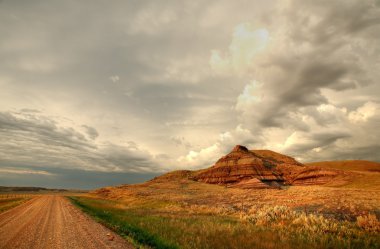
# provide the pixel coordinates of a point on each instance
(268, 215)
(368, 222)
(316, 223)
(297, 221)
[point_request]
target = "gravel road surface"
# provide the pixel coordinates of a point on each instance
(53, 222)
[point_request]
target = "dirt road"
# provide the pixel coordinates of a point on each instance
(53, 222)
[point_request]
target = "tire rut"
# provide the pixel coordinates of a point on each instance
(53, 222)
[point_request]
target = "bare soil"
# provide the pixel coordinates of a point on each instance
(53, 222)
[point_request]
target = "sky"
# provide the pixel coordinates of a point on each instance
(97, 93)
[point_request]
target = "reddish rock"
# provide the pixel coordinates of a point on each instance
(250, 184)
(245, 168)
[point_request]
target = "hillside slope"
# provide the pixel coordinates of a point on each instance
(362, 174)
(348, 165)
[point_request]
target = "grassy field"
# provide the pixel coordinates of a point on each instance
(365, 174)
(11, 199)
(173, 211)
(349, 165)
(160, 224)
(8, 201)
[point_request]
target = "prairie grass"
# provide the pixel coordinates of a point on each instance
(160, 225)
(369, 223)
(181, 213)
(8, 202)
(317, 228)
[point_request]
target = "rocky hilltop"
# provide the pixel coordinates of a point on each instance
(248, 169)
(245, 168)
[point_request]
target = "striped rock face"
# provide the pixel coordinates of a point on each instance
(245, 168)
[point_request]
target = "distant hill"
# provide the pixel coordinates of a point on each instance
(243, 168)
(348, 165)
(32, 189)
(249, 169)
(240, 176)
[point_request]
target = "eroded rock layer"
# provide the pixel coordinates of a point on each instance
(240, 164)
(245, 168)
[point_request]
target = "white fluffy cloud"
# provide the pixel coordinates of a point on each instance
(306, 50)
(207, 156)
(365, 112)
(25, 171)
(247, 43)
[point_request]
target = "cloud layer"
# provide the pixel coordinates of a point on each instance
(313, 89)
(141, 88)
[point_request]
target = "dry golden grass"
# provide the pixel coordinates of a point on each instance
(369, 223)
(349, 165)
(259, 227)
(334, 216)
(361, 174)
(189, 196)
(8, 201)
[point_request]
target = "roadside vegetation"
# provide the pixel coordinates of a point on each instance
(8, 201)
(120, 220)
(14, 196)
(160, 224)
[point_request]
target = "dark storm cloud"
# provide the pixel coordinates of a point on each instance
(310, 77)
(38, 140)
(322, 51)
(62, 58)
(43, 129)
(316, 140)
(333, 152)
(310, 85)
(71, 178)
(91, 131)
(341, 18)
(69, 56)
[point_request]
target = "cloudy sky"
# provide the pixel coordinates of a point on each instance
(100, 92)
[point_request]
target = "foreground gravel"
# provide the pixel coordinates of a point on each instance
(53, 222)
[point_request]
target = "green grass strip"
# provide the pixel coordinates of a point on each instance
(122, 227)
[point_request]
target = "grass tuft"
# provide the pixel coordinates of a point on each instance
(369, 223)
(8, 203)
(163, 226)
(111, 220)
